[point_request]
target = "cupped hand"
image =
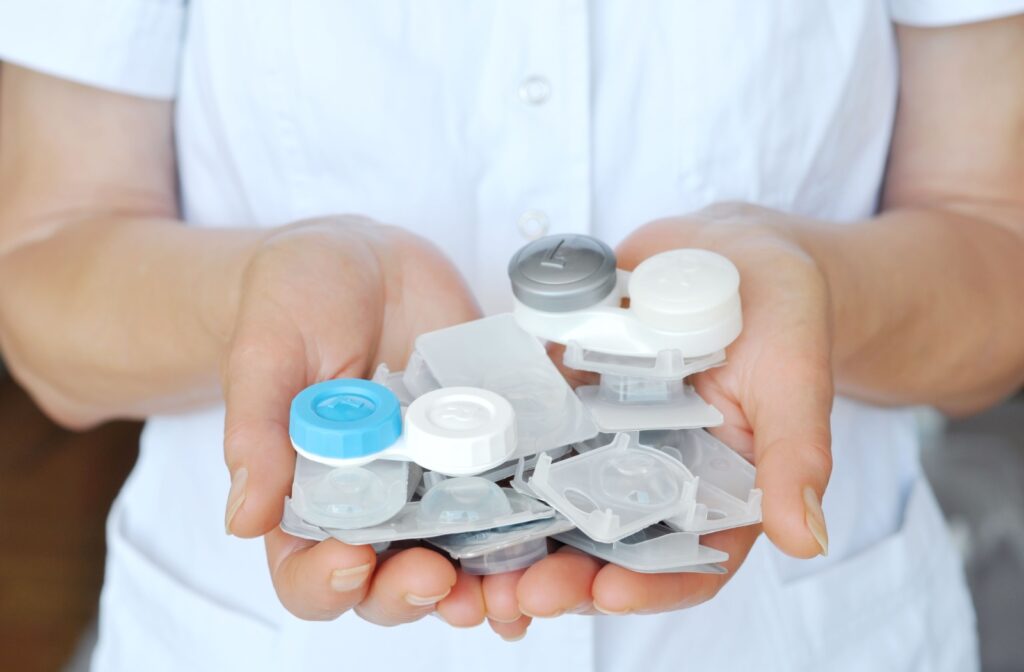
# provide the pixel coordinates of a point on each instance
(325, 299)
(775, 393)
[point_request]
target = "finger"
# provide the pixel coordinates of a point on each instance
(511, 632)
(792, 447)
(318, 581)
(558, 584)
(261, 378)
(499, 592)
(618, 591)
(407, 586)
(464, 606)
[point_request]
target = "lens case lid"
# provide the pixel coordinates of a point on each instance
(344, 419)
(563, 273)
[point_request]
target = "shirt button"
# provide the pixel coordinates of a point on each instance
(533, 224)
(535, 90)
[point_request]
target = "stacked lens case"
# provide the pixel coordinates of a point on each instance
(481, 448)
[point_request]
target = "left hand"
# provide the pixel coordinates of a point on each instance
(776, 395)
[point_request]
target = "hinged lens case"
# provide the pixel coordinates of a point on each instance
(614, 491)
(456, 430)
(567, 289)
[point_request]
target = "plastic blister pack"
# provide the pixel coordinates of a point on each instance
(349, 497)
(626, 404)
(464, 504)
(667, 364)
(614, 491)
(726, 496)
(481, 402)
(653, 550)
(495, 354)
(502, 549)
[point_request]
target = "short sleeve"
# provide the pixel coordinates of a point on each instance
(951, 12)
(128, 46)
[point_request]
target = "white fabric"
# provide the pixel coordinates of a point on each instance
(416, 114)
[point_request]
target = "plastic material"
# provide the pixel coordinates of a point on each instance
(495, 354)
(344, 419)
(292, 523)
(457, 431)
(653, 550)
(667, 364)
(726, 496)
(460, 430)
(349, 497)
(502, 549)
(464, 504)
(614, 491)
(684, 301)
(563, 273)
(626, 405)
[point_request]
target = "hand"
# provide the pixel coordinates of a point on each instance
(775, 393)
(325, 299)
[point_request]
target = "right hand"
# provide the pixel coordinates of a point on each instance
(323, 299)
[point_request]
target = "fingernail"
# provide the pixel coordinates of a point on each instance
(581, 608)
(609, 612)
(344, 580)
(502, 620)
(524, 612)
(420, 601)
(236, 496)
(816, 518)
(516, 638)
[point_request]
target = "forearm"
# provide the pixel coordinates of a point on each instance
(927, 304)
(121, 316)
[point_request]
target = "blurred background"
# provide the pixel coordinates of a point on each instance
(56, 487)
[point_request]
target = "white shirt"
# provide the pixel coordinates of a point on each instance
(480, 125)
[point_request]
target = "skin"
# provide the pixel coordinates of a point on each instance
(109, 308)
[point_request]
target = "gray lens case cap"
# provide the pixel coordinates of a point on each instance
(560, 273)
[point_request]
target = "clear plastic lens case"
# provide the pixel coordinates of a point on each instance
(349, 497)
(463, 504)
(496, 354)
(726, 496)
(653, 550)
(614, 491)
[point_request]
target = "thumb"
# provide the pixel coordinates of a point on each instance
(261, 378)
(792, 447)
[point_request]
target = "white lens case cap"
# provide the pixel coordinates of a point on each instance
(495, 354)
(653, 550)
(460, 430)
(463, 504)
(614, 491)
(349, 497)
